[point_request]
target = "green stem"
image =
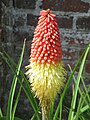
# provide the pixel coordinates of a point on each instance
(45, 114)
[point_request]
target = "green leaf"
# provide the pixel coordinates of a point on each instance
(59, 107)
(78, 109)
(84, 108)
(13, 86)
(33, 117)
(80, 92)
(25, 85)
(1, 113)
(51, 110)
(82, 98)
(86, 90)
(16, 102)
(4, 118)
(73, 103)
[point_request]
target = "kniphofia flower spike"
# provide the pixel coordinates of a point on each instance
(45, 71)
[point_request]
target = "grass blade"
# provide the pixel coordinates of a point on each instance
(16, 102)
(73, 103)
(65, 90)
(80, 92)
(52, 110)
(86, 90)
(13, 86)
(33, 117)
(4, 118)
(23, 76)
(82, 100)
(78, 109)
(1, 115)
(61, 110)
(26, 88)
(84, 108)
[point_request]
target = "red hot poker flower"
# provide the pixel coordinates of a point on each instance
(45, 72)
(46, 45)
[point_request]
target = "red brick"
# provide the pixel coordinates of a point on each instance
(82, 51)
(66, 5)
(4, 35)
(75, 42)
(19, 36)
(87, 79)
(83, 23)
(25, 4)
(19, 21)
(70, 41)
(88, 57)
(32, 20)
(83, 42)
(70, 53)
(87, 68)
(65, 22)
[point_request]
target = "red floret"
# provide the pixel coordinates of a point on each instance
(46, 45)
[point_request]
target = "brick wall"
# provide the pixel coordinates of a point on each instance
(19, 18)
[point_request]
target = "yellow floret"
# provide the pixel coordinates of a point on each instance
(46, 80)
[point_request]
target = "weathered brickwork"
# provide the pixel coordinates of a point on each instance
(18, 19)
(25, 4)
(66, 5)
(32, 20)
(83, 23)
(87, 67)
(65, 22)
